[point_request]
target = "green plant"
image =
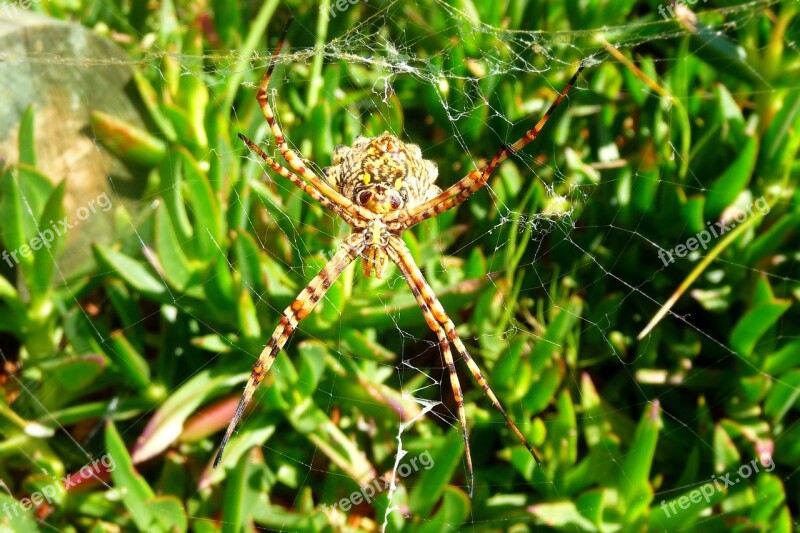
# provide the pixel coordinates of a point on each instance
(554, 274)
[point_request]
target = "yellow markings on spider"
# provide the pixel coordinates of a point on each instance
(377, 226)
(375, 230)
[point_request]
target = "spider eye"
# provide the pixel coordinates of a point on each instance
(404, 195)
(364, 197)
(395, 202)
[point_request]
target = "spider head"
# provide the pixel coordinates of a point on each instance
(382, 174)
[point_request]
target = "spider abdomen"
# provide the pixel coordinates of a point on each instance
(382, 173)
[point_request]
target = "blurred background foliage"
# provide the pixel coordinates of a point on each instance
(550, 275)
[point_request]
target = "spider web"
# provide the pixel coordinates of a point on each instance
(570, 238)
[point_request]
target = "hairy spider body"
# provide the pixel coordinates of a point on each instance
(380, 186)
(381, 174)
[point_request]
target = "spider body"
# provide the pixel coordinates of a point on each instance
(380, 186)
(383, 173)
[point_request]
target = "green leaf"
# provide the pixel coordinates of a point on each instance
(131, 364)
(781, 140)
(167, 423)
(596, 421)
(208, 223)
(591, 506)
(9, 295)
(720, 52)
(726, 455)
(227, 18)
(248, 318)
(432, 482)
(36, 188)
(357, 342)
(562, 321)
(783, 396)
(543, 389)
(634, 484)
(783, 359)
(754, 324)
(681, 512)
(50, 241)
(248, 262)
(148, 512)
(174, 262)
(171, 174)
(563, 431)
(453, 511)
(770, 241)
(18, 226)
(312, 365)
(220, 288)
(150, 99)
(242, 493)
(726, 188)
(76, 373)
(16, 519)
(256, 29)
(27, 139)
(315, 424)
(505, 371)
(133, 272)
(562, 515)
(254, 432)
(125, 140)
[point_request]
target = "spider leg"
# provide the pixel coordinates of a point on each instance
(292, 315)
(440, 322)
(476, 179)
(342, 209)
(454, 384)
(292, 157)
(417, 286)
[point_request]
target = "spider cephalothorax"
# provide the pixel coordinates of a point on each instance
(382, 173)
(380, 186)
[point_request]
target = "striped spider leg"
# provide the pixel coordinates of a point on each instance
(445, 330)
(476, 179)
(292, 315)
(315, 186)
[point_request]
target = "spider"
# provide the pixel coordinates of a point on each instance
(380, 186)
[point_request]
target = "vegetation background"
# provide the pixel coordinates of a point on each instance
(551, 275)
